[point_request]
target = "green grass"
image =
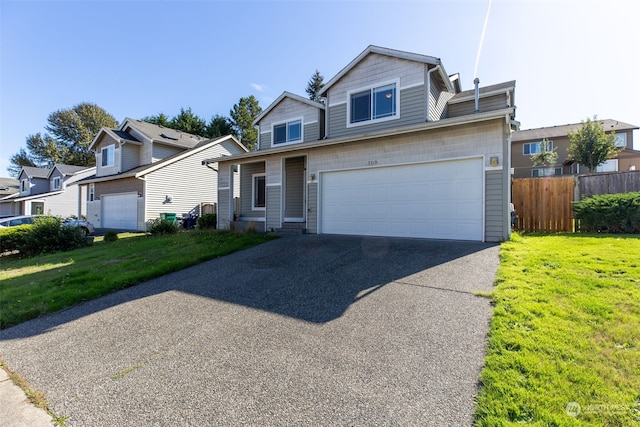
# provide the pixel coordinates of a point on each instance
(565, 329)
(43, 284)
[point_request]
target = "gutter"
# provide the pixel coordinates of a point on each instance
(437, 67)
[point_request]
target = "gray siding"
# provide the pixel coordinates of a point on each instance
(163, 151)
(224, 209)
(438, 102)
(412, 111)
(265, 140)
(312, 213)
(294, 187)
(130, 156)
(273, 207)
(310, 133)
(490, 103)
(495, 206)
(246, 184)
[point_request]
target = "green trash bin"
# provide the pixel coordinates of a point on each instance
(169, 216)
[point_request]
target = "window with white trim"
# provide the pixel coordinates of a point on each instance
(371, 104)
(529, 148)
(24, 185)
(288, 132)
(621, 140)
(608, 166)
(92, 192)
(56, 183)
(259, 192)
(108, 156)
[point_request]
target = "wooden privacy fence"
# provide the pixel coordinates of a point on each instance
(543, 204)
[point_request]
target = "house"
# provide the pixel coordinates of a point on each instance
(8, 187)
(144, 170)
(395, 149)
(527, 142)
(48, 191)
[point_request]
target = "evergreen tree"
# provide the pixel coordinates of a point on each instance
(242, 116)
(316, 82)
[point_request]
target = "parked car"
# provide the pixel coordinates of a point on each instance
(85, 226)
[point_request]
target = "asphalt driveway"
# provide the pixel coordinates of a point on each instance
(305, 330)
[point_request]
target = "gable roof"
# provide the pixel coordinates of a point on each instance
(33, 172)
(9, 186)
(563, 130)
(430, 60)
(145, 169)
(155, 133)
(66, 170)
(284, 95)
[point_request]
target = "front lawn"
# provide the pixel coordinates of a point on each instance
(43, 284)
(564, 345)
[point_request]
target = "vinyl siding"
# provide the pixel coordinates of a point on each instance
(130, 156)
(287, 110)
(312, 208)
(273, 212)
(56, 174)
(246, 185)
(438, 102)
(187, 181)
(412, 111)
(105, 141)
(310, 133)
(490, 103)
(126, 185)
(294, 187)
(495, 206)
(161, 151)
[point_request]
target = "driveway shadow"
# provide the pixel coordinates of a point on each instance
(314, 278)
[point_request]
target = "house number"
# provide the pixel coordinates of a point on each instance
(372, 162)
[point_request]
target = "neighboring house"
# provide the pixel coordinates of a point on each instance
(8, 187)
(395, 149)
(527, 142)
(145, 170)
(48, 191)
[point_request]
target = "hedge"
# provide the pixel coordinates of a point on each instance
(609, 213)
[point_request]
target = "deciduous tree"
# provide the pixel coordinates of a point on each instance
(591, 146)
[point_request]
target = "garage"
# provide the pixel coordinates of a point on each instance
(440, 200)
(120, 211)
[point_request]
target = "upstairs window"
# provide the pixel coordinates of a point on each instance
(530, 148)
(284, 133)
(376, 103)
(109, 156)
(259, 190)
(92, 192)
(56, 183)
(24, 185)
(621, 140)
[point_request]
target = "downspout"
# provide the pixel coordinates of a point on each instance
(205, 163)
(476, 82)
(437, 67)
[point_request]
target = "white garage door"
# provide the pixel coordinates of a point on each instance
(442, 200)
(120, 211)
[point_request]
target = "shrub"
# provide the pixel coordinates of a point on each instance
(12, 237)
(609, 213)
(162, 226)
(47, 234)
(207, 221)
(111, 236)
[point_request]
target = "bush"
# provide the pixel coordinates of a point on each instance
(47, 234)
(207, 221)
(162, 226)
(609, 213)
(12, 237)
(111, 236)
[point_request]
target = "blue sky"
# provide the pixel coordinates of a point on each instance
(570, 59)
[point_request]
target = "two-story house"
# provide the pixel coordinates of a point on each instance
(9, 187)
(48, 191)
(395, 149)
(527, 142)
(144, 170)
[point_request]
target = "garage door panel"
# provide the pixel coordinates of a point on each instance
(433, 200)
(120, 211)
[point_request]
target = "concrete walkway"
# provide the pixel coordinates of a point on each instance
(305, 330)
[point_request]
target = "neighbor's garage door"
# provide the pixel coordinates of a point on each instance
(120, 211)
(442, 200)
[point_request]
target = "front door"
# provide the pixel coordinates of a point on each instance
(294, 195)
